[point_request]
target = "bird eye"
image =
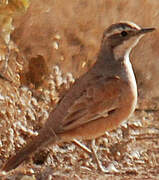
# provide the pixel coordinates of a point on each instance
(124, 33)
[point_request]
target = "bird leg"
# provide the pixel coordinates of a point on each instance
(93, 150)
(95, 156)
(82, 146)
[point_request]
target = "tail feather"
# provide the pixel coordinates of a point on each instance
(39, 141)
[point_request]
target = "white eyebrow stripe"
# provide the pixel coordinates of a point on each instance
(122, 28)
(133, 25)
(119, 30)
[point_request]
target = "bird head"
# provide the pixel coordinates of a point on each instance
(123, 36)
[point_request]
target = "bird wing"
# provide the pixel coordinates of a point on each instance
(97, 100)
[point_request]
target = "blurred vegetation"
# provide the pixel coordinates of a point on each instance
(8, 9)
(12, 7)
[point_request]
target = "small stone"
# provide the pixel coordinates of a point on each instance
(55, 45)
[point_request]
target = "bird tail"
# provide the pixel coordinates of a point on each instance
(43, 139)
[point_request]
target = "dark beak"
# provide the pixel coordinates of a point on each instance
(145, 30)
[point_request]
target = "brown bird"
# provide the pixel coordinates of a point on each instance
(99, 100)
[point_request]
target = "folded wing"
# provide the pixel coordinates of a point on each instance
(98, 100)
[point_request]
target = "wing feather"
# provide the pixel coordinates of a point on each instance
(96, 101)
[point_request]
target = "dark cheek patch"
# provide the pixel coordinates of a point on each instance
(117, 39)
